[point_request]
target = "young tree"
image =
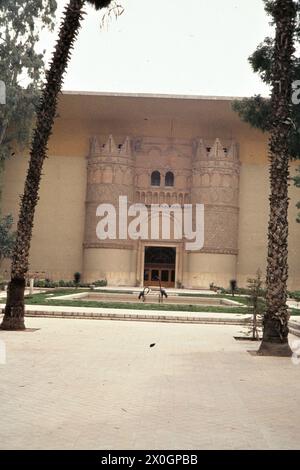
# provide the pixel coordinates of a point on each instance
(7, 237)
(256, 305)
(73, 16)
(21, 68)
(233, 286)
(77, 278)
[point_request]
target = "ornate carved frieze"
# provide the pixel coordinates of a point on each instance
(164, 147)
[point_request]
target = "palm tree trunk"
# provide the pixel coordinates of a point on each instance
(14, 310)
(275, 335)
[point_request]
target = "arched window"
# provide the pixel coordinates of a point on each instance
(169, 179)
(155, 178)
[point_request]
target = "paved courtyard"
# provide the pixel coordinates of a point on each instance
(92, 384)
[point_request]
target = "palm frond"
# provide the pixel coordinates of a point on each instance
(113, 11)
(98, 4)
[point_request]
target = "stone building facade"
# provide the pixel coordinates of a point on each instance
(159, 171)
(153, 150)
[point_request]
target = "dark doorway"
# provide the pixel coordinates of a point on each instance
(160, 263)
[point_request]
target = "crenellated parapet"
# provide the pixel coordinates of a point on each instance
(215, 155)
(110, 170)
(109, 148)
(216, 170)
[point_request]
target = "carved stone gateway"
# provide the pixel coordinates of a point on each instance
(204, 172)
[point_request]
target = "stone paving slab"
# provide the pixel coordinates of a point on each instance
(98, 385)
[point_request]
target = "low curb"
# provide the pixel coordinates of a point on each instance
(137, 317)
(294, 326)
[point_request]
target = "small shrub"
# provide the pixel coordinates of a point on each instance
(3, 285)
(77, 277)
(100, 283)
(295, 295)
(233, 286)
(222, 290)
(241, 291)
(46, 283)
(69, 283)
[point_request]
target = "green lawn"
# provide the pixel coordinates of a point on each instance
(45, 299)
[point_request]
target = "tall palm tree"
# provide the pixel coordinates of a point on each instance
(73, 16)
(275, 335)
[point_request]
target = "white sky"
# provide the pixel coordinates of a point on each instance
(197, 47)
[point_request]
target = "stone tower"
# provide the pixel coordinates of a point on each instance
(215, 183)
(110, 174)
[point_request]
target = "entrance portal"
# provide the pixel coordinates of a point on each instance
(159, 264)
